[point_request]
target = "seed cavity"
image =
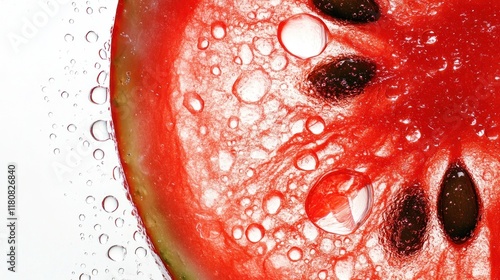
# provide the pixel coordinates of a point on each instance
(458, 205)
(406, 221)
(341, 78)
(354, 11)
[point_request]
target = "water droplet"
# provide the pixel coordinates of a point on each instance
(429, 37)
(57, 151)
(218, 30)
(110, 204)
(68, 38)
(71, 128)
(119, 222)
(90, 199)
(255, 232)
(102, 77)
(99, 95)
(91, 37)
(340, 201)
(103, 238)
(99, 130)
(89, 10)
(103, 54)
(414, 135)
(295, 254)
(492, 132)
(52, 136)
(98, 154)
(215, 70)
(307, 161)
(237, 232)
(140, 252)
(84, 276)
(272, 202)
(279, 62)
(203, 43)
(233, 122)
(64, 94)
(117, 173)
(315, 125)
(322, 274)
(193, 102)
(117, 253)
(303, 35)
(245, 55)
(250, 87)
(263, 46)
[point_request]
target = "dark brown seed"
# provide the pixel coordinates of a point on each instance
(342, 77)
(356, 11)
(458, 205)
(406, 221)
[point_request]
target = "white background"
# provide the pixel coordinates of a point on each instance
(48, 67)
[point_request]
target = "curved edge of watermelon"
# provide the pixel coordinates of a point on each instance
(138, 88)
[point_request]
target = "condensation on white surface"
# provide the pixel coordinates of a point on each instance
(54, 86)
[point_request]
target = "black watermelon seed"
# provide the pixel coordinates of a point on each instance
(406, 221)
(342, 77)
(356, 11)
(458, 205)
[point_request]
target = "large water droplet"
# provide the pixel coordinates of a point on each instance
(110, 204)
(251, 87)
(99, 130)
(272, 202)
(307, 161)
(117, 253)
(429, 37)
(255, 232)
(303, 35)
(140, 252)
(218, 30)
(340, 201)
(193, 102)
(237, 232)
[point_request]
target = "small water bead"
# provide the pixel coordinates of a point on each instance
(218, 30)
(279, 63)
(84, 276)
(215, 70)
(91, 37)
(193, 102)
(90, 199)
(71, 128)
(429, 37)
(102, 77)
(303, 35)
(89, 10)
(251, 87)
(110, 204)
(103, 54)
(64, 94)
(413, 135)
(295, 254)
(255, 233)
(99, 95)
(263, 46)
(307, 161)
(98, 154)
(203, 43)
(69, 38)
(52, 136)
(57, 151)
(340, 201)
(322, 274)
(237, 232)
(315, 125)
(103, 238)
(99, 130)
(117, 253)
(245, 55)
(233, 122)
(119, 222)
(272, 202)
(140, 252)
